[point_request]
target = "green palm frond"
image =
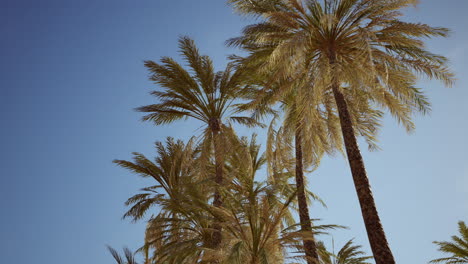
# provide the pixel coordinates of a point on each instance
(457, 248)
(351, 254)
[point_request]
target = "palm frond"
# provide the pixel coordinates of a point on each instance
(457, 248)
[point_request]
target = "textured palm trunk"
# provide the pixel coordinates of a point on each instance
(217, 201)
(375, 233)
(310, 247)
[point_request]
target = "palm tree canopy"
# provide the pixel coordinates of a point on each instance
(363, 43)
(174, 167)
(256, 216)
(199, 92)
(457, 248)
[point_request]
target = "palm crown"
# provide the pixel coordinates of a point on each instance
(360, 43)
(200, 93)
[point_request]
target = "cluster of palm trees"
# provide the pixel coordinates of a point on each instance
(326, 71)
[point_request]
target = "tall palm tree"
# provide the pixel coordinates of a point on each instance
(355, 47)
(315, 130)
(316, 144)
(295, 126)
(202, 94)
(457, 248)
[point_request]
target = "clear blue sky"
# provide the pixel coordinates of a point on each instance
(71, 73)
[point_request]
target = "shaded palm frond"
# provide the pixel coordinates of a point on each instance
(129, 257)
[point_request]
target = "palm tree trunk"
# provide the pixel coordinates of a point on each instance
(217, 201)
(310, 247)
(375, 232)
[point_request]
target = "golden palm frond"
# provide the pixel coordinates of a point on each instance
(457, 248)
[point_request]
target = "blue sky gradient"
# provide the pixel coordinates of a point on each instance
(72, 71)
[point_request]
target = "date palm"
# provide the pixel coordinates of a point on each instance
(356, 47)
(178, 173)
(457, 248)
(314, 128)
(199, 93)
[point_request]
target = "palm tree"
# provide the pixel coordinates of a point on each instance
(348, 254)
(349, 48)
(202, 94)
(178, 173)
(458, 248)
(315, 131)
(295, 125)
(316, 146)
